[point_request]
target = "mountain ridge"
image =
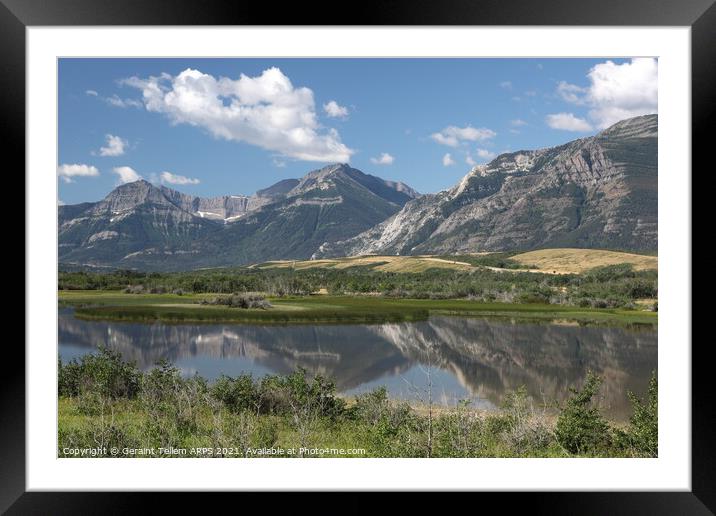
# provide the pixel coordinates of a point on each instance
(595, 192)
(139, 224)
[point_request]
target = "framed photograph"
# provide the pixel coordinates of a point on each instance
(429, 248)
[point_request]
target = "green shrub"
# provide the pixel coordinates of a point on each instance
(581, 428)
(238, 301)
(68, 378)
(524, 429)
(375, 409)
(172, 404)
(103, 373)
(390, 428)
(371, 406)
(460, 433)
(237, 394)
(162, 383)
(285, 395)
(642, 435)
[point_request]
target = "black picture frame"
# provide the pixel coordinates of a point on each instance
(700, 15)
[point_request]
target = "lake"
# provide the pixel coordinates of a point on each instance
(463, 358)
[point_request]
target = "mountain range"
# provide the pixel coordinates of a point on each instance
(595, 192)
(144, 226)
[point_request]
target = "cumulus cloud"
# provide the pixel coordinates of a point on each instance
(126, 175)
(616, 91)
(69, 171)
(470, 160)
(447, 160)
(335, 110)
(383, 159)
(114, 146)
(452, 136)
(91, 93)
(266, 111)
(175, 179)
(568, 122)
(506, 85)
(517, 122)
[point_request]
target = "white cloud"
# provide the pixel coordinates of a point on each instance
(485, 154)
(517, 122)
(68, 171)
(126, 175)
(334, 110)
(175, 179)
(116, 101)
(506, 85)
(616, 91)
(383, 159)
(266, 111)
(447, 160)
(480, 156)
(571, 92)
(568, 122)
(452, 136)
(115, 146)
(623, 91)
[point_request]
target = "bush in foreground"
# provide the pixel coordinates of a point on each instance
(104, 401)
(641, 437)
(581, 428)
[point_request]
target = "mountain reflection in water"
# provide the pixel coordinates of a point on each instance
(469, 358)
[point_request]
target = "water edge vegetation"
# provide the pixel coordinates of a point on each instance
(106, 403)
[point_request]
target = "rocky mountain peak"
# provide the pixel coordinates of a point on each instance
(130, 195)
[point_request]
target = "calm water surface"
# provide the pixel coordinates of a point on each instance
(466, 358)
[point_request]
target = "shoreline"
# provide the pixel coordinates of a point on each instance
(325, 309)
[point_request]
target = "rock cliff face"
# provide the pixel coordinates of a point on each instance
(225, 208)
(598, 192)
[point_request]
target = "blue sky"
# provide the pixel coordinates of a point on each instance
(231, 126)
